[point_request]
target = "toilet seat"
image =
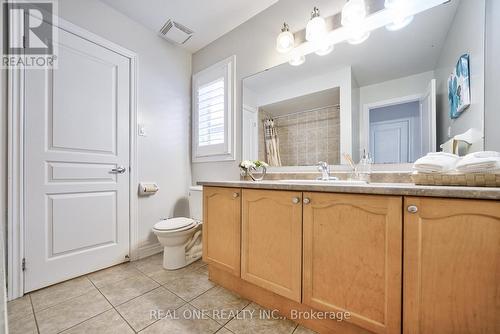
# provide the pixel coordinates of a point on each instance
(175, 224)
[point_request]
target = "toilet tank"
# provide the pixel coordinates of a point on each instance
(196, 202)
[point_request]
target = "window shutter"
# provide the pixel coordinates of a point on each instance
(211, 104)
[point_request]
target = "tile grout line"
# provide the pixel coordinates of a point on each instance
(187, 301)
(34, 314)
(114, 308)
(139, 273)
(224, 325)
(151, 324)
(63, 301)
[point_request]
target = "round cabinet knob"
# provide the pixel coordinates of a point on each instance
(235, 195)
(307, 200)
(295, 200)
(412, 209)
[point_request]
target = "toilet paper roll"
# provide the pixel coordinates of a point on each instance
(148, 188)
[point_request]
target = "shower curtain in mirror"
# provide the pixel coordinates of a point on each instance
(272, 143)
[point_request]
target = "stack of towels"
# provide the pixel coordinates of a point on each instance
(441, 162)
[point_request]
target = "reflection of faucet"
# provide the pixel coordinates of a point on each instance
(325, 171)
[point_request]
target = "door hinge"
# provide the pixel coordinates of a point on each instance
(23, 264)
(24, 42)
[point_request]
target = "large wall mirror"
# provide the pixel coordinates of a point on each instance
(388, 96)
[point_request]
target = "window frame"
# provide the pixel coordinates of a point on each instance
(217, 152)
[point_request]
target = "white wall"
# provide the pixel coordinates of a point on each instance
(466, 35)
(408, 86)
(164, 86)
(492, 73)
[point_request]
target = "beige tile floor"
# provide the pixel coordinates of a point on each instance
(120, 300)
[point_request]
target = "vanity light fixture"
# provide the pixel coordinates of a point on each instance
(316, 27)
(324, 49)
(353, 19)
(285, 40)
(356, 26)
(398, 10)
(297, 59)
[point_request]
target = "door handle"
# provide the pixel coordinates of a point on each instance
(119, 170)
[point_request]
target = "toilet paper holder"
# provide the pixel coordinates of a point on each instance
(148, 188)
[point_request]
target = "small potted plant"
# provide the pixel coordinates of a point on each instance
(251, 168)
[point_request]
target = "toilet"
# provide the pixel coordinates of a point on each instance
(181, 236)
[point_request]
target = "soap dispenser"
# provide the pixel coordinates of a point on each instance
(364, 168)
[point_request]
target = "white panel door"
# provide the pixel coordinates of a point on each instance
(389, 141)
(428, 109)
(250, 134)
(77, 132)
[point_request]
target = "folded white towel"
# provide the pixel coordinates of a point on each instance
(436, 162)
(480, 162)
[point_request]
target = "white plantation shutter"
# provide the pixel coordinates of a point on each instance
(213, 101)
(211, 113)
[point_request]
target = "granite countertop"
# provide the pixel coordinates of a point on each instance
(401, 189)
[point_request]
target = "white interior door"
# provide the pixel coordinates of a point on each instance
(77, 132)
(389, 141)
(428, 110)
(250, 134)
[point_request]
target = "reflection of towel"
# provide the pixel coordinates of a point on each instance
(436, 162)
(480, 162)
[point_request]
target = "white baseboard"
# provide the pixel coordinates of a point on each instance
(148, 250)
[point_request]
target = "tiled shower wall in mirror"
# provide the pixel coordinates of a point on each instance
(305, 137)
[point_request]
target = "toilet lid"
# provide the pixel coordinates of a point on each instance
(174, 224)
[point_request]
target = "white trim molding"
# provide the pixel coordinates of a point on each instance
(15, 161)
(225, 68)
(148, 250)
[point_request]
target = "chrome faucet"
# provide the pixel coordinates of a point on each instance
(325, 171)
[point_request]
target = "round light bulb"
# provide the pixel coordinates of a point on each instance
(353, 13)
(358, 36)
(324, 49)
(398, 24)
(316, 27)
(399, 12)
(297, 59)
(285, 42)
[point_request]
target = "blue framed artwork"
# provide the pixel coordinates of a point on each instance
(459, 87)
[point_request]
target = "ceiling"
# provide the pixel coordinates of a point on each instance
(209, 19)
(384, 56)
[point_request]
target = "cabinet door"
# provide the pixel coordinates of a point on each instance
(353, 258)
(272, 240)
(451, 266)
(221, 228)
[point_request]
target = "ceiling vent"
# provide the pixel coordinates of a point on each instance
(175, 32)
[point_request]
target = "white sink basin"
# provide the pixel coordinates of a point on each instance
(333, 182)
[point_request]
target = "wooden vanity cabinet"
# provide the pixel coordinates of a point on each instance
(221, 228)
(415, 264)
(451, 266)
(352, 258)
(271, 243)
